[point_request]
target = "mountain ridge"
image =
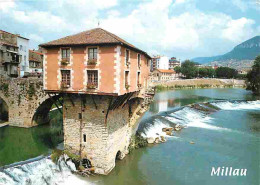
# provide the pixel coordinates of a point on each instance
(246, 50)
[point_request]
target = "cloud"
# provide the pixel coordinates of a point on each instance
(44, 21)
(237, 29)
(36, 38)
(180, 1)
(192, 32)
(242, 5)
(5, 6)
(151, 25)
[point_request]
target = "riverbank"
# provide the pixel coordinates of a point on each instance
(3, 124)
(199, 83)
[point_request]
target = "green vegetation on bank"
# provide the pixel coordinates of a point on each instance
(253, 77)
(137, 141)
(200, 86)
(191, 70)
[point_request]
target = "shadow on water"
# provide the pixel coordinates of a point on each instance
(126, 171)
(18, 144)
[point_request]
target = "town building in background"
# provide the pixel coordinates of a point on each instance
(14, 54)
(9, 55)
(23, 44)
(160, 62)
(163, 75)
(35, 63)
(173, 62)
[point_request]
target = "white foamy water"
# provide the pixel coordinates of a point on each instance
(154, 130)
(238, 105)
(192, 118)
(41, 172)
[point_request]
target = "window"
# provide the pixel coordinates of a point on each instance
(21, 47)
(84, 138)
(138, 78)
(126, 79)
(65, 53)
(92, 53)
(127, 56)
(65, 78)
(139, 60)
(24, 58)
(92, 78)
(80, 115)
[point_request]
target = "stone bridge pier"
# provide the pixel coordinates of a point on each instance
(24, 101)
(99, 128)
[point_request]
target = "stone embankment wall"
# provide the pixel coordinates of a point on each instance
(99, 128)
(22, 97)
(201, 83)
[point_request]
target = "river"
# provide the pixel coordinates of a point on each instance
(228, 137)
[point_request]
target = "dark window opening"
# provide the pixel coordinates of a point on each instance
(80, 115)
(126, 79)
(139, 60)
(127, 56)
(138, 78)
(84, 138)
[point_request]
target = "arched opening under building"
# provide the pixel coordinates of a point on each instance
(86, 163)
(50, 119)
(4, 111)
(118, 155)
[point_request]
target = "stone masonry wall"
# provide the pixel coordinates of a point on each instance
(104, 137)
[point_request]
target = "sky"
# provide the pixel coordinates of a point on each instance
(181, 28)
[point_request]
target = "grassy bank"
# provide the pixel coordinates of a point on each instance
(199, 83)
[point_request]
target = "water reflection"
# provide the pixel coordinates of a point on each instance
(18, 144)
(168, 100)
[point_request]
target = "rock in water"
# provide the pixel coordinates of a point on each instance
(177, 127)
(167, 129)
(157, 140)
(163, 139)
(192, 142)
(169, 133)
(150, 140)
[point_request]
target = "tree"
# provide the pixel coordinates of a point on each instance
(211, 72)
(188, 69)
(177, 69)
(226, 72)
(253, 77)
(203, 72)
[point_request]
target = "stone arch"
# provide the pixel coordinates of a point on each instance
(4, 108)
(41, 114)
(119, 155)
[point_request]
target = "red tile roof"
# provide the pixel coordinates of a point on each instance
(97, 36)
(166, 71)
(18, 35)
(7, 43)
(35, 52)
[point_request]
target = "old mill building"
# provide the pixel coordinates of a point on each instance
(103, 80)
